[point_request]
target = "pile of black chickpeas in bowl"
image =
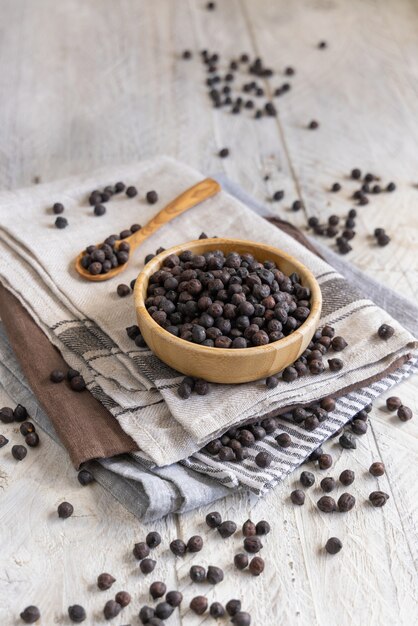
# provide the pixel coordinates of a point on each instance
(227, 310)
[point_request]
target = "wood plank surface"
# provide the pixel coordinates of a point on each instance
(88, 84)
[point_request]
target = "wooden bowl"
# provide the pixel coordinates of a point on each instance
(223, 365)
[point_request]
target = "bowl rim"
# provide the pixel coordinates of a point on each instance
(154, 264)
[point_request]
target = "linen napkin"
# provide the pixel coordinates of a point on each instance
(152, 493)
(86, 322)
(148, 495)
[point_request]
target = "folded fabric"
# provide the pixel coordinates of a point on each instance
(99, 436)
(152, 493)
(87, 322)
(147, 494)
(89, 438)
(84, 425)
(248, 475)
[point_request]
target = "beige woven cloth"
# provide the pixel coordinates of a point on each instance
(86, 322)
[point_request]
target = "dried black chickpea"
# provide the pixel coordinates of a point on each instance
(214, 575)
(338, 344)
(346, 502)
(377, 468)
(123, 598)
(347, 477)
(195, 544)
(385, 331)
(58, 208)
(359, 426)
(298, 497)
(19, 452)
(141, 550)
(241, 561)
(153, 539)
(404, 413)
(378, 498)
(175, 598)
(105, 581)
(30, 615)
(197, 574)
(85, 477)
(185, 389)
(333, 545)
(263, 460)
(226, 529)
(278, 195)
(77, 383)
(157, 589)
(20, 413)
(328, 484)
(6, 415)
(147, 565)
(328, 404)
(199, 604)
(111, 609)
(324, 461)
(146, 614)
(393, 403)
(214, 519)
(216, 610)
(32, 440)
(61, 222)
(178, 547)
(262, 528)
(131, 191)
(252, 544)
(272, 382)
(72, 374)
(242, 618)
(307, 479)
(249, 528)
(26, 428)
(256, 566)
(233, 607)
(347, 441)
(326, 504)
(123, 290)
(77, 613)
(152, 197)
(284, 440)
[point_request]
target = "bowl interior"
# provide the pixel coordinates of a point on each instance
(182, 355)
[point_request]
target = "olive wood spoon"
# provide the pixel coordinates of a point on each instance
(188, 199)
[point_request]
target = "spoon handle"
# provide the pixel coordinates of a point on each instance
(191, 197)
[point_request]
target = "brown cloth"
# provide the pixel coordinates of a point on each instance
(85, 427)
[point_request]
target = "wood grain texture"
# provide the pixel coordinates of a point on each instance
(88, 84)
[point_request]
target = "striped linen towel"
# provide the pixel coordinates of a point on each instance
(87, 322)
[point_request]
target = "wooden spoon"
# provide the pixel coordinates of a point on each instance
(188, 199)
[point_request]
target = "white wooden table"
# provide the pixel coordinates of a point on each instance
(89, 83)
